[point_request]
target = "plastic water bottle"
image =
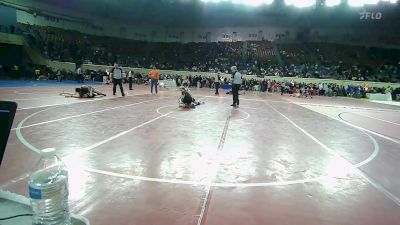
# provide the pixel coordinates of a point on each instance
(48, 190)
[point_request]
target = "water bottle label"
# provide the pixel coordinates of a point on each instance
(35, 193)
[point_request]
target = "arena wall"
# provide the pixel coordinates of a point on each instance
(162, 34)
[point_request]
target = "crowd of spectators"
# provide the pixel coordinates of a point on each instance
(34, 72)
(7, 28)
(72, 46)
(291, 88)
(312, 60)
(197, 81)
(340, 62)
(253, 57)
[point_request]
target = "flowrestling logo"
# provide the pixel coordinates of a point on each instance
(365, 15)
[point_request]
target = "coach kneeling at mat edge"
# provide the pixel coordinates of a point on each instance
(116, 74)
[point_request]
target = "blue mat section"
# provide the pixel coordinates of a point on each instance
(46, 83)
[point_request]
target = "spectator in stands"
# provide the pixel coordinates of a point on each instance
(60, 76)
(139, 78)
(396, 94)
(116, 74)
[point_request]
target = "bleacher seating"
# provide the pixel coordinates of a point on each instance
(322, 60)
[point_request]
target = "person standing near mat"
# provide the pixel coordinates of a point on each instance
(79, 75)
(154, 75)
(236, 82)
(116, 75)
(217, 82)
(130, 79)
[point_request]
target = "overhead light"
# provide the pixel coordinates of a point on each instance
(359, 3)
(215, 1)
(331, 3)
(303, 3)
(300, 3)
(253, 2)
(243, 2)
(391, 1)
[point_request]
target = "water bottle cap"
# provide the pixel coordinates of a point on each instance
(48, 152)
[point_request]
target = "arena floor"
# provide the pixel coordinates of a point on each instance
(278, 160)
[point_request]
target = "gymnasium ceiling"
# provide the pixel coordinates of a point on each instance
(194, 13)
